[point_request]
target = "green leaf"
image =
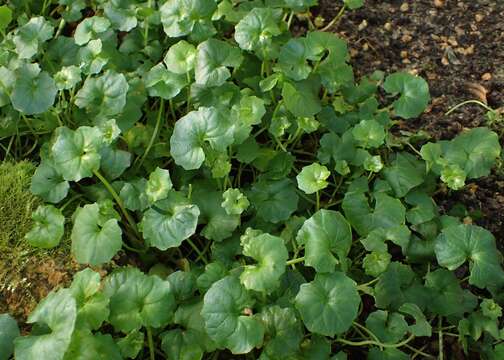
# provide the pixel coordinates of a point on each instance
(293, 59)
(283, 331)
(274, 201)
(48, 228)
(271, 254)
(5, 17)
(169, 221)
(388, 327)
(376, 263)
(491, 309)
(67, 77)
(207, 127)
(133, 194)
(353, 4)
(414, 93)
(88, 346)
(225, 306)
(159, 185)
(57, 312)
(404, 174)
(257, 30)
(234, 202)
(424, 208)
(387, 354)
(312, 178)
(182, 345)
(114, 162)
(183, 285)
(399, 235)
(31, 36)
(302, 98)
(9, 329)
(90, 28)
(456, 244)
(76, 153)
(131, 345)
(332, 317)
(324, 234)
(248, 112)
(446, 297)
(181, 18)
(421, 326)
(453, 176)
(138, 300)
(212, 61)
(163, 83)
(48, 183)
(104, 95)
(122, 14)
(34, 90)
(369, 134)
(388, 212)
(92, 304)
(96, 236)
(180, 58)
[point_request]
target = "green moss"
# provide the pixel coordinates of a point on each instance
(16, 202)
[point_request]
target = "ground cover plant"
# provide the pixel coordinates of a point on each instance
(270, 205)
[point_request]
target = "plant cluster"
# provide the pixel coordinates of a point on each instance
(269, 197)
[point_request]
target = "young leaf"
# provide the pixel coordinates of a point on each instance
(159, 185)
(5, 19)
(58, 312)
(369, 134)
(197, 130)
(324, 234)
(48, 229)
(180, 18)
(138, 300)
(456, 244)
(271, 254)
(96, 237)
(312, 178)
(180, 58)
(323, 317)
(225, 308)
(234, 202)
(9, 330)
(67, 77)
(169, 222)
(414, 93)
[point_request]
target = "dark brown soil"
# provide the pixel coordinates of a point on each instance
(458, 46)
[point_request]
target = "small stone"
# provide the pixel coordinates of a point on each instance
(404, 54)
(404, 7)
(486, 76)
(445, 61)
(363, 25)
(438, 3)
(365, 46)
(387, 26)
(406, 38)
(479, 17)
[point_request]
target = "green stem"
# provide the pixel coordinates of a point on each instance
(367, 284)
(289, 21)
(317, 196)
(154, 134)
(70, 201)
(195, 248)
(119, 202)
(172, 110)
(188, 91)
(151, 344)
(376, 343)
(440, 338)
(486, 107)
(146, 30)
(336, 19)
(295, 261)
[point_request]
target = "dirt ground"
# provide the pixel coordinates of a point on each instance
(458, 46)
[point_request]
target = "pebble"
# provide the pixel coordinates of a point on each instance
(479, 17)
(438, 3)
(363, 25)
(406, 38)
(486, 76)
(404, 54)
(404, 7)
(387, 26)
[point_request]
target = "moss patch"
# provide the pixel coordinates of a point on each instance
(27, 274)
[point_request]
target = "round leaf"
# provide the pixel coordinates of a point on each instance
(329, 304)
(9, 330)
(180, 57)
(414, 93)
(48, 229)
(312, 178)
(212, 61)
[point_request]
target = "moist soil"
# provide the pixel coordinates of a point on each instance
(458, 47)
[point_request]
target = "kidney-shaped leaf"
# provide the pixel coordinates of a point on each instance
(271, 254)
(9, 330)
(96, 237)
(414, 93)
(58, 311)
(275, 200)
(329, 304)
(29, 36)
(212, 61)
(195, 131)
(48, 183)
(179, 17)
(312, 178)
(138, 300)
(169, 222)
(180, 57)
(48, 229)
(324, 234)
(225, 310)
(459, 243)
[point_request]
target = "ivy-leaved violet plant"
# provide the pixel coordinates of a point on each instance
(274, 207)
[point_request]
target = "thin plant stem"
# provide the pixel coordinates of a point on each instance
(295, 261)
(197, 250)
(154, 134)
(440, 338)
(477, 102)
(376, 343)
(151, 344)
(336, 19)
